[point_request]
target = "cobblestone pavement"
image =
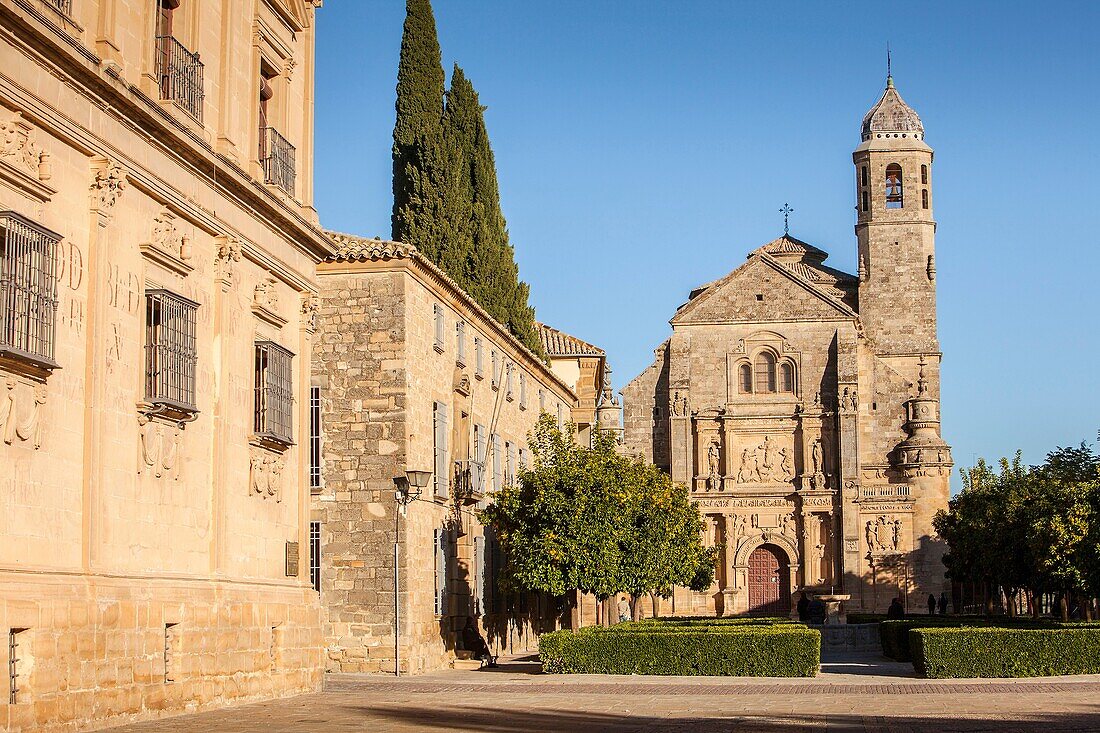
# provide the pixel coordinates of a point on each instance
(861, 694)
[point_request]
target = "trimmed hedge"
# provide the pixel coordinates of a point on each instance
(997, 652)
(781, 650)
(693, 622)
(895, 638)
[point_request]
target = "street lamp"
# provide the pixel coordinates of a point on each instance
(410, 487)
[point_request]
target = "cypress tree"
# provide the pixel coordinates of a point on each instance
(492, 273)
(446, 200)
(419, 162)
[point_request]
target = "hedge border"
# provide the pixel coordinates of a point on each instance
(945, 653)
(747, 651)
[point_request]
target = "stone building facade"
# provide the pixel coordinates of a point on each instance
(800, 404)
(584, 368)
(158, 249)
(411, 374)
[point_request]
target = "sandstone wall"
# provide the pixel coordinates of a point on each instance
(125, 535)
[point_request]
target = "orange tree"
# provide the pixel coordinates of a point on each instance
(589, 519)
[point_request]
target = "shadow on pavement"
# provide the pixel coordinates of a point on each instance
(510, 721)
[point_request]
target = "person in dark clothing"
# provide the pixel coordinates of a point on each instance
(943, 603)
(816, 611)
(803, 607)
(473, 642)
(896, 610)
(931, 604)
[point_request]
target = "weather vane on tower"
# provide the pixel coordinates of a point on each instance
(786, 211)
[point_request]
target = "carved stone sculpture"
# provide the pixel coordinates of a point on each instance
(785, 465)
(817, 462)
(21, 413)
(159, 447)
(18, 147)
(108, 184)
(713, 458)
(266, 474)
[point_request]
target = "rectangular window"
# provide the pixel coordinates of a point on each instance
(477, 466)
(28, 289)
(170, 353)
(274, 384)
(315, 555)
(18, 652)
(509, 392)
(315, 465)
(510, 474)
(440, 554)
(523, 459)
(439, 423)
(496, 463)
(439, 325)
(179, 71)
(561, 416)
(523, 390)
(494, 377)
(494, 563)
(542, 401)
(479, 357)
(460, 343)
(479, 576)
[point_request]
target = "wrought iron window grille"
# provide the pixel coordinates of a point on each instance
(170, 353)
(28, 291)
(274, 394)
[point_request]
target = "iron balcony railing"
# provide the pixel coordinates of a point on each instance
(180, 75)
(65, 7)
(277, 159)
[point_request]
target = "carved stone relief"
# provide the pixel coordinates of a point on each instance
(311, 307)
(883, 534)
(159, 447)
(228, 252)
(108, 183)
(680, 406)
(766, 462)
(266, 477)
(21, 412)
(19, 148)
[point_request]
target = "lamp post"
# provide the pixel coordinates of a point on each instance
(410, 487)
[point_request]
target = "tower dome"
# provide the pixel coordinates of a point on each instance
(892, 116)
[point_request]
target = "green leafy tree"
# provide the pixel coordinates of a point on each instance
(591, 520)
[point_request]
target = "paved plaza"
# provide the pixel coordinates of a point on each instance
(860, 693)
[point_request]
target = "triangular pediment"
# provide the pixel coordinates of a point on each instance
(764, 290)
(295, 13)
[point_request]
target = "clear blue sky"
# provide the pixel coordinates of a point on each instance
(645, 147)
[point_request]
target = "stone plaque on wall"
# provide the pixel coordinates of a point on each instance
(292, 559)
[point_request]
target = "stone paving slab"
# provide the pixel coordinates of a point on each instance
(515, 700)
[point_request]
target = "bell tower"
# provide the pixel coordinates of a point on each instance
(895, 229)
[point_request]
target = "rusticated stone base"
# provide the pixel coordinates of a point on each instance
(94, 652)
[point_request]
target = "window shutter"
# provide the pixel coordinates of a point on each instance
(440, 441)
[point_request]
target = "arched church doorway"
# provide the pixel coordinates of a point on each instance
(769, 581)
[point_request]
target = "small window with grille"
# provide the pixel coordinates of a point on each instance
(315, 555)
(274, 393)
(170, 351)
(315, 464)
(28, 291)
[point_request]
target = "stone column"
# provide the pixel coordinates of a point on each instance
(681, 439)
(846, 564)
(108, 182)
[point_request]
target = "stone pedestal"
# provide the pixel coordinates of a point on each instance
(834, 613)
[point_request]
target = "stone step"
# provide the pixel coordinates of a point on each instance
(467, 664)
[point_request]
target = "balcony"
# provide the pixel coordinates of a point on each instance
(65, 7)
(277, 159)
(179, 73)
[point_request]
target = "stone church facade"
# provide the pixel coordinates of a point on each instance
(800, 404)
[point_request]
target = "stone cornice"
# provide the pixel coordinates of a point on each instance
(71, 61)
(362, 254)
